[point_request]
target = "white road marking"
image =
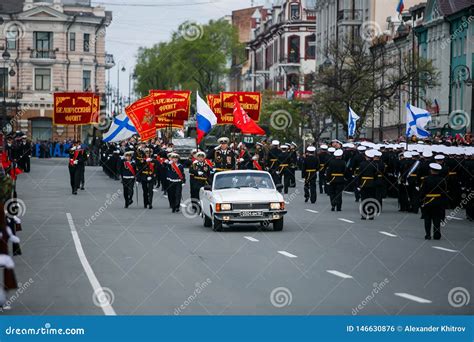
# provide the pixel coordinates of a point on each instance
(339, 274)
(388, 234)
(312, 211)
(413, 298)
(250, 238)
(445, 249)
(454, 218)
(344, 220)
(289, 255)
(106, 307)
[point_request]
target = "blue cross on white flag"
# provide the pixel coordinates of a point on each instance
(351, 122)
(120, 129)
(417, 119)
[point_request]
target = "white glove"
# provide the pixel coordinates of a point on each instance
(358, 189)
(241, 160)
(167, 161)
(148, 160)
(417, 189)
(200, 173)
(182, 184)
(148, 178)
(75, 162)
(122, 157)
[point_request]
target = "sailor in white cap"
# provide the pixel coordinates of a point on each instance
(358, 158)
(324, 158)
(293, 161)
(200, 172)
(335, 176)
(273, 161)
(224, 156)
(433, 193)
(309, 172)
(284, 167)
(176, 179)
(369, 207)
(128, 174)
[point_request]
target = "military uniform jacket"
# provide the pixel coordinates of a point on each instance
(224, 159)
(128, 170)
(367, 174)
(273, 159)
(200, 172)
(148, 169)
(335, 171)
(310, 166)
(433, 192)
(175, 173)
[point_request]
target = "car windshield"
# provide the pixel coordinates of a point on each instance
(243, 180)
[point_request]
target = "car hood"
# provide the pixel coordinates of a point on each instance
(247, 195)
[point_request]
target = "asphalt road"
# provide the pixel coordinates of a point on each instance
(154, 262)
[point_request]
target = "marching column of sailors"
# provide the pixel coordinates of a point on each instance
(431, 178)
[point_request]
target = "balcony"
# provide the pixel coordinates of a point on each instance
(350, 17)
(109, 61)
(290, 59)
(43, 57)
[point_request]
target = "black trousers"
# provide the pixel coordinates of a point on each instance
(403, 197)
(414, 197)
(292, 177)
(276, 177)
(433, 216)
(147, 187)
(286, 178)
(74, 177)
(128, 185)
(195, 188)
(367, 195)
(322, 183)
(335, 194)
(175, 190)
(310, 187)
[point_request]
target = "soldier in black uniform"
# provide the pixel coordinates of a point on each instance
(76, 159)
(367, 173)
(147, 171)
(403, 169)
(273, 161)
(25, 154)
(358, 158)
(284, 172)
(323, 160)
(224, 157)
(380, 188)
(335, 177)
(433, 193)
(309, 172)
(293, 161)
(176, 179)
(128, 174)
(200, 171)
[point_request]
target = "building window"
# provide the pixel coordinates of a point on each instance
(12, 35)
(310, 47)
(43, 44)
(86, 80)
(72, 41)
(87, 38)
(43, 79)
(294, 11)
(294, 49)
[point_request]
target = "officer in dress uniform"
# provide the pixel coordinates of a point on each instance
(335, 177)
(25, 154)
(379, 183)
(256, 165)
(176, 179)
(358, 158)
(147, 172)
(128, 173)
(76, 159)
(323, 160)
(309, 172)
(244, 158)
(367, 175)
(273, 161)
(224, 157)
(293, 161)
(433, 193)
(200, 172)
(83, 168)
(284, 167)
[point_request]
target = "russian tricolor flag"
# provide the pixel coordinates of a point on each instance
(205, 118)
(401, 6)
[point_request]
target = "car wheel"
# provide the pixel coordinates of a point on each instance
(278, 225)
(207, 221)
(217, 225)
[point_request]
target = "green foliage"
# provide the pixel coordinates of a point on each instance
(196, 57)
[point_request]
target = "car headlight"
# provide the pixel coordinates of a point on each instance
(223, 206)
(277, 206)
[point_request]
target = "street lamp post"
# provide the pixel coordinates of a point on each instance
(117, 106)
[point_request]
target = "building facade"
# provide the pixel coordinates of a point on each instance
(52, 46)
(281, 51)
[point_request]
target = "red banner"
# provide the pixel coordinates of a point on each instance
(165, 122)
(171, 103)
(75, 109)
(214, 102)
(251, 102)
(142, 114)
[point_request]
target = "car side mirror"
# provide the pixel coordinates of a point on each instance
(207, 188)
(279, 187)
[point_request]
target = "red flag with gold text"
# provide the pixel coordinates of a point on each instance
(142, 114)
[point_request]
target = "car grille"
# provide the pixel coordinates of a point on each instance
(250, 206)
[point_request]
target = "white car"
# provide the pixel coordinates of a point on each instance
(242, 196)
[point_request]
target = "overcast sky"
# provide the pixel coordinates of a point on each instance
(145, 22)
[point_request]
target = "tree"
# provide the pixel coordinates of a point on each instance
(196, 57)
(352, 76)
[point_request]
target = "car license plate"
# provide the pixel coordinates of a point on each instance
(251, 213)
